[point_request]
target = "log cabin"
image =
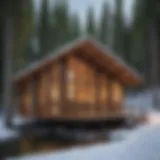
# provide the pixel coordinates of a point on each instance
(80, 81)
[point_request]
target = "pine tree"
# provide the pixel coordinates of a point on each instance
(146, 40)
(2, 35)
(32, 53)
(90, 24)
(60, 23)
(75, 26)
(127, 43)
(22, 15)
(144, 16)
(118, 28)
(104, 24)
(44, 29)
(17, 26)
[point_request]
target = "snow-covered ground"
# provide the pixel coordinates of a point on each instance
(140, 102)
(6, 133)
(141, 143)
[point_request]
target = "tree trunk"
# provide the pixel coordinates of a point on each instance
(8, 69)
(154, 66)
(147, 61)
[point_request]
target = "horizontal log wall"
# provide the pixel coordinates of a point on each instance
(70, 88)
(55, 90)
(26, 98)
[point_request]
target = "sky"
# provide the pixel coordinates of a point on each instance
(81, 6)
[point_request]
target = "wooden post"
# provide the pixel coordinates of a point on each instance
(34, 95)
(7, 88)
(108, 95)
(63, 88)
(49, 89)
(97, 91)
(109, 103)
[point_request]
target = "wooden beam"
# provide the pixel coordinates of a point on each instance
(110, 94)
(34, 95)
(48, 90)
(99, 66)
(63, 88)
(103, 63)
(97, 90)
(38, 86)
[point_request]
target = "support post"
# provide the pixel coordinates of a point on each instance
(63, 88)
(97, 90)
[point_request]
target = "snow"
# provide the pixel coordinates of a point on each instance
(120, 134)
(6, 133)
(140, 103)
(153, 118)
(20, 120)
(141, 144)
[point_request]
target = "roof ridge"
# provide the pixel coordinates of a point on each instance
(61, 50)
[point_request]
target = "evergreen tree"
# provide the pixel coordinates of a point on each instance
(138, 51)
(127, 43)
(60, 23)
(145, 14)
(2, 35)
(146, 40)
(22, 16)
(90, 24)
(75, 26)
(32, 53)
(104, 24)
(44, 29)
(118, 28)
(17, 25)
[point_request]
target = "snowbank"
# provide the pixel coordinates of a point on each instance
(141, 103)
(141, 144)
(6, 133)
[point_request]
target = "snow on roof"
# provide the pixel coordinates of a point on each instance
(142, 144)
(60, 52)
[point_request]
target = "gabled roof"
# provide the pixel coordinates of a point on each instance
(91, 49)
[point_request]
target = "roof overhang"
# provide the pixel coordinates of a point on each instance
(89, 48)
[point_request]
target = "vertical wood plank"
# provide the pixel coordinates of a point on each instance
(34, 96)
(110, 97)
(49, 89)
(97, 91)
(63, 88)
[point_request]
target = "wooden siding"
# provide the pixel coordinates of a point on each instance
(71, 88)
(117, 96)
(55, 90)
(26, 99)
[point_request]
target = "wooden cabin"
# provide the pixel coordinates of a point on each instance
(82, 80)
